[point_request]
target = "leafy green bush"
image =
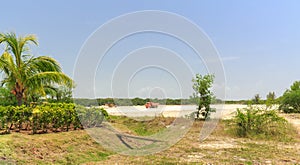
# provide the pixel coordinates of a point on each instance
(91, 117)
(290, 101)
(49, 116)
(6, 97)
(254, 122)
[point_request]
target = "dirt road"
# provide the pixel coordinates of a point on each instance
(293, 119)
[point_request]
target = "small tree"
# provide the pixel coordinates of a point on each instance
(271, 96)
(256, 99)
(270, 99)
(201, 86)
(61, 94)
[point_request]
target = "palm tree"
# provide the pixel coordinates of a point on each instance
(26, 74)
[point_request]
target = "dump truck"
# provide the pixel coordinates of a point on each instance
(110, 105)
(151, 105)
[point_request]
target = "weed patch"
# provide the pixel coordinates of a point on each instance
(256, 123)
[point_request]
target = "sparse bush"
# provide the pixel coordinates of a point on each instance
(254, 122)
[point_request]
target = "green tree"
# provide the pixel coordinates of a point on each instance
(138, 101)
(202, 93)
(271, 96)
(271, 99)
(290, 101)
(295, 86)
(25, 74)
(256, 99)
(59, 94)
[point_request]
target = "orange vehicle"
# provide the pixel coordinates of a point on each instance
(110, 105)
(151, 105)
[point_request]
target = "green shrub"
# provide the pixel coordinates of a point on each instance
(6, 97)
(49, 116)
(91, 117)
(290, 101)
(254, 122)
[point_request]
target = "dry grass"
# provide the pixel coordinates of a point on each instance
(219, 148)
(77, 147)
(55, 148)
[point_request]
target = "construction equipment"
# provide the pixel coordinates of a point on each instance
(151, 105)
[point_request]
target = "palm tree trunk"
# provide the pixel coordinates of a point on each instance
(19, 92)
(19, 98)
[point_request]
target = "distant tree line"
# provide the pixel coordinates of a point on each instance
(135, 101)
(130, 102)
(64, 95)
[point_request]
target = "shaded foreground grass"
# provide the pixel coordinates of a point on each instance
(77, 147)
(56, 148)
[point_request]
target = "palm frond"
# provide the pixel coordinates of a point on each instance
(42, 64)
(7, 65)
(16, 44)
(43, 78)
(28, 75)
(26, 39)
(12, 42)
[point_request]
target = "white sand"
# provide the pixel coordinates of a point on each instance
(223, 111)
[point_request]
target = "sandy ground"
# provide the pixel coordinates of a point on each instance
(223, 111)
(293, 119)
(218, 145)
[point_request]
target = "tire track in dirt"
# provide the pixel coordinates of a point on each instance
(294, 119)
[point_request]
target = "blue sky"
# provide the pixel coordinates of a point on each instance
(258, 41)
